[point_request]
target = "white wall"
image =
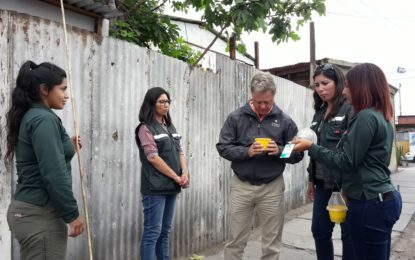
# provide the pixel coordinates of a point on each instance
(194, 34)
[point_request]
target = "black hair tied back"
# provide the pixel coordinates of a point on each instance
(26, 93)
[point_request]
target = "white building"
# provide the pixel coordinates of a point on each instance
(196, 35)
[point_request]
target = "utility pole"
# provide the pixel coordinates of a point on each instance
(400, 101)
(256, 55)
(232, 47)
(312, 51)
(400, 70)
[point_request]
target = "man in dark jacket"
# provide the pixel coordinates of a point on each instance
(258, 182)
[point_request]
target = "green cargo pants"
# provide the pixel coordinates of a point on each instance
(41, 233)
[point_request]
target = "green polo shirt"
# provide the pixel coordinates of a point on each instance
(43, 162)
(364, 157)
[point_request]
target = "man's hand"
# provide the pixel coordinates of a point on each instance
(255, 149)
(77, 227)
(272, 148)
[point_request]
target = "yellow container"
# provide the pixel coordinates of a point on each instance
(263, 141)
(337, 213)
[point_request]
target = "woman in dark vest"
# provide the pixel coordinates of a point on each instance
(163, 172)
(43, 202)
(330, 121)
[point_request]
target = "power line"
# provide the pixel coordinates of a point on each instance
(404, 78)
(351, 7)
(375, 11)
(370, 17)
(374, 20)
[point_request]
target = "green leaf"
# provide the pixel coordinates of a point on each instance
(241, 48)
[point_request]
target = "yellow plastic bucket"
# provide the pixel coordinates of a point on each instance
(337, 213)
(263, 141)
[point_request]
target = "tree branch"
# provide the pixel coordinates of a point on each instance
(209, 46)
(157, 7)
(126, 10)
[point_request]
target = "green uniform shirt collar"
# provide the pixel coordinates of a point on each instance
(43, 106)
(40, 105)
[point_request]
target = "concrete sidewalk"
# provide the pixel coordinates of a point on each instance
(298, 241)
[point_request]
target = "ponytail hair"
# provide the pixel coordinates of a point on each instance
(26, 93)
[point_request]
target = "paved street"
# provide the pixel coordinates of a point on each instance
(298, 243)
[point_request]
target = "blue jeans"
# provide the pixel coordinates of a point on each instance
(158, 216)
(371, 223)
(322, 228)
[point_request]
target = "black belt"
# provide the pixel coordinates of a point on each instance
(384, 196)
(255, 182)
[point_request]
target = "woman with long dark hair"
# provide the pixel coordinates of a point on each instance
(163, 172)
(364, 156)
(43, 202)
(330, 121)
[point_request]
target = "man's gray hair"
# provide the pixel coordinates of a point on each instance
(263, 81)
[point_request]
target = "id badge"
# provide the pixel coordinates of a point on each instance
(286, 152)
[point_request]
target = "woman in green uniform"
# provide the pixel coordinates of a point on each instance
(43, 202)
(365, 151)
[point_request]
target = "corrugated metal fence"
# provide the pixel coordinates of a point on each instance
(110, 78)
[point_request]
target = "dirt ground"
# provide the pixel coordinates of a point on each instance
(404, 246)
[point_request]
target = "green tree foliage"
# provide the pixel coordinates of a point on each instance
(145, 24)
(253, 15)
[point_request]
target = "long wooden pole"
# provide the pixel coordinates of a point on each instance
(81, 174)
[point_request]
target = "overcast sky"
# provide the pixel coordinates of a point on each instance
(377, 31)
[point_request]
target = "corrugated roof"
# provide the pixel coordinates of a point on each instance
(102, 8)
(301, 71)
(306, 65)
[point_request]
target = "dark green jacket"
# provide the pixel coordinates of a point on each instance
(329, 133)
(364, 157)
(43, 161)
(154, 182)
